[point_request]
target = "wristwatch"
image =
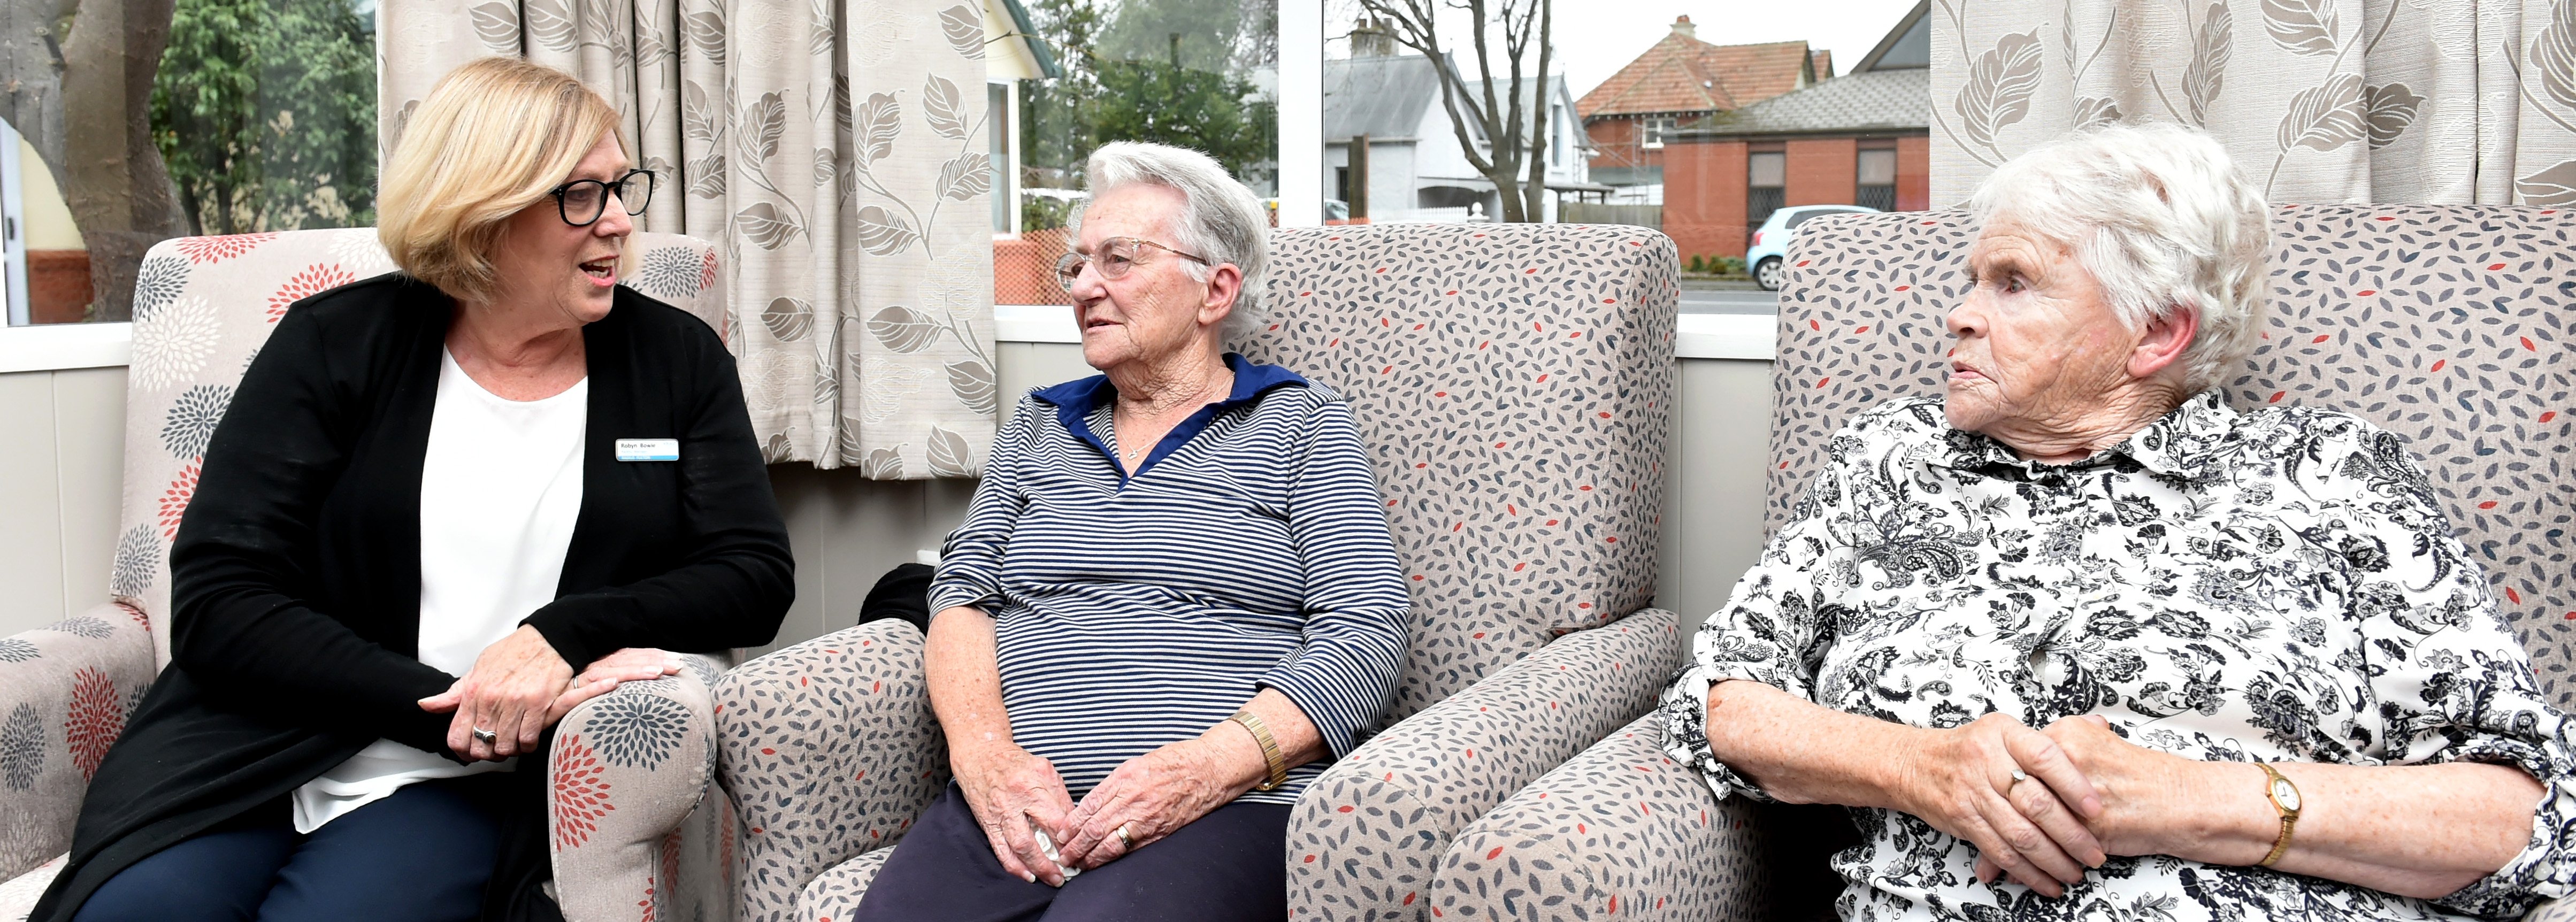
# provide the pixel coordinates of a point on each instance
(2285, 800)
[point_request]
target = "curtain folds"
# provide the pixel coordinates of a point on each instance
(836, 159)
(2424, 101)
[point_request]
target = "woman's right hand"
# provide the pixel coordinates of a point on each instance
(1014, 793)
(1961, 781)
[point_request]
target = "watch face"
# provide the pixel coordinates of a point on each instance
(2287, 795)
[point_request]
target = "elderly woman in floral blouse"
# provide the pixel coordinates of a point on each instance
(2076, 640)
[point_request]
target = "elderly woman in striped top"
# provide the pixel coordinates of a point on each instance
(1174, 597)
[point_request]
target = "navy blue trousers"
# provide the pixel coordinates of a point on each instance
(421, 855)
(1230, 866)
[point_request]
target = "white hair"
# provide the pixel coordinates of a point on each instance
(2163, 220)
(1220, 220)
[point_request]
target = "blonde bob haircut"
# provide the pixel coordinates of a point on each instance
(494, 137)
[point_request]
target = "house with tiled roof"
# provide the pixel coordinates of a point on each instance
(1678, 82)
(1863, 138)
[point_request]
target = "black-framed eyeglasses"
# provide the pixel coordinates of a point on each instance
(1116, 255)
(582, 201)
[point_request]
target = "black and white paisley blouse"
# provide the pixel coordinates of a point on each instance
(2275, 585)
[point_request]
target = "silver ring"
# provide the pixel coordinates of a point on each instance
(486, 736)
(2018, 777)
(1126, 843)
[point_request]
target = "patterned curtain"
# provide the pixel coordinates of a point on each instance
(2427, 101)
(836, 157)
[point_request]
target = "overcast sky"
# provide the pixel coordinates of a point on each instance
(1594, 38)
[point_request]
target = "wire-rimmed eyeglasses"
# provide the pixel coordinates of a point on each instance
(582, 201)
(1116, 255)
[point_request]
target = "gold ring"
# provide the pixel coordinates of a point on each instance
(1126, 843)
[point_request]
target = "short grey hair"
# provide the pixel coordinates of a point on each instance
(2163, 220)
(1220, 220)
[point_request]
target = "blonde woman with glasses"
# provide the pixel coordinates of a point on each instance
(420, 539)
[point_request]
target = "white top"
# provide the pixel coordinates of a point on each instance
(500, 488)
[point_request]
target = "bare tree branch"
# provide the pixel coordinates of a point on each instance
(1414, 24)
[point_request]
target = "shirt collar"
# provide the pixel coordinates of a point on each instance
(1250, 380)
(2181, 443)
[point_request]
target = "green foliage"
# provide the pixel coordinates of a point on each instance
(1041, 212)
(1166, 71)
(1698, 263)
(1732, 266)
(266, 113)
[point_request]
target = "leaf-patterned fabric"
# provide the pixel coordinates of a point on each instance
(2427, 101)
(836, 154)
(2278, 585)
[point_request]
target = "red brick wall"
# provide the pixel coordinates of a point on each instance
(1704, 197)
(1914, 174)
(1823, 172)
(1616, 138)
(57, 286)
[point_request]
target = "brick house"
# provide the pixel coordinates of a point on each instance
(1863, 138)
(1679, 81)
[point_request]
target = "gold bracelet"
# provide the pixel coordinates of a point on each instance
(2286, 802)
(1278, 765)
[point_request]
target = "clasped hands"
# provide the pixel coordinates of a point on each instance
(2042, 806)
(519, 686)
(1014, 793)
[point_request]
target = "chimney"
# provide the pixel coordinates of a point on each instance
(1371, 38)
(1682, 27)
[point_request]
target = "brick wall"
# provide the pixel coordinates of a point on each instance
(1823, 172)
(1704, 197)
(1914, 174)
(1616, 137)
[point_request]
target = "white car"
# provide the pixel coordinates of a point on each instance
(1771, 240)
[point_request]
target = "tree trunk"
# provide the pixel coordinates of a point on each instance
(117, 187)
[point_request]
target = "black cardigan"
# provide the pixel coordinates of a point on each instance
(295, 576)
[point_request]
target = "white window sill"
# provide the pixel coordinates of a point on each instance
(1750, 337)
(63, 346)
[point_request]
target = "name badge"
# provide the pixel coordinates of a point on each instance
(648, 449)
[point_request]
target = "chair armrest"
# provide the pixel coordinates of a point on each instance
(2562, 909)
(625, 768)
(829, 749)
(1619, 831)
(1367, 836)
(65, 690)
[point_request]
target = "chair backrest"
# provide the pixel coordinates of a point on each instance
(2448, 325)
(203, 306)
(1512, 383)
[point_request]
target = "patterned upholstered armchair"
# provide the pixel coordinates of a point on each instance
(2449, 326)
(626, 766)
(1512, 382)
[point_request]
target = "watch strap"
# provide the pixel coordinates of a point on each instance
(1276, 764)
(2289, 817)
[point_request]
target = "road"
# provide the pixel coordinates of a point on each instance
(1729, 302)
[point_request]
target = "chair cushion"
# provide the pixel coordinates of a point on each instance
(1512, 382)
(203, 306)
(2448, 325)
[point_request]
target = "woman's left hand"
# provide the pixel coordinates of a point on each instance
(2147, 796)
(1152, 796)
(509, 691)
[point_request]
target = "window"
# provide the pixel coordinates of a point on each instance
(1197, 73)
(1877, 188)
(264, 115)
(1766, 185)
(1651, 131)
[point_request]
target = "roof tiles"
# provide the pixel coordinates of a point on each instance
(1684, 74)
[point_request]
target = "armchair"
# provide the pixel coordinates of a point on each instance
(2444, 324)
(1513, 384)
(626, 766)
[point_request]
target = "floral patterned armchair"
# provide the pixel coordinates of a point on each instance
(626, 767)
(1513, 384)
(2446, 325)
